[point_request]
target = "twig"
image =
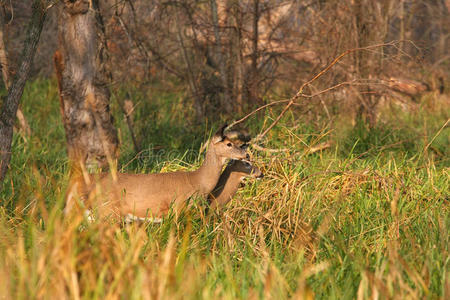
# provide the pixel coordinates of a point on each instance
(300, 94)
(435, 136)
(311, 150)
(260, 148)
(319, 147)
(260, 136)
(330, 88)
(127, 110)
(256, 110)
(287, 100)
(23, 123)
(325, 70)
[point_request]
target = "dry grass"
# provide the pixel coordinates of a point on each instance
(363, 219)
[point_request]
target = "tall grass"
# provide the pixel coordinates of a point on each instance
(364, 219)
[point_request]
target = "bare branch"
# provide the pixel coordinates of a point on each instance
(300, 94)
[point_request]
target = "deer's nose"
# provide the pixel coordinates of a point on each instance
(247, 156)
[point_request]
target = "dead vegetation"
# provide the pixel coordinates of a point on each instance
(354, 148)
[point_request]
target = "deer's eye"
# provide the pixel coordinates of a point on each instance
(229, 144)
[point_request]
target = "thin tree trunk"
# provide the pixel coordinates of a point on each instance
(4, 61)
(195, 91)
(401, 16)
(364, 33)
(255, 37)
(11, 103)
(226, 99)
(84, 97)
(253, 78)
(240, 66)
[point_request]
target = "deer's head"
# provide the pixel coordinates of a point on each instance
(225, 148)
(245, 169)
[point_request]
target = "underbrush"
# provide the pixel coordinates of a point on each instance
(367, 217)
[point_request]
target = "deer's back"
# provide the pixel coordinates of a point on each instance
(143, 194)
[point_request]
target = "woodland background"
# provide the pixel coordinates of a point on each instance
(355, 200)
(233, 55)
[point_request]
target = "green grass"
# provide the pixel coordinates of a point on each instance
(368, 216)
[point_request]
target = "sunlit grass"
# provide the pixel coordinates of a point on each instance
(367, 217)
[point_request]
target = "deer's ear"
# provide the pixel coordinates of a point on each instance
(244, 146)
(240, 135)
(219, 135)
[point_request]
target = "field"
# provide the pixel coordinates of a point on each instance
(365, 218)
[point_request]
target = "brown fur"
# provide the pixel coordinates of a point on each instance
(230, 180)
(151, 195)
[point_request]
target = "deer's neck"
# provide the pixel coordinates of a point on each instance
(226, 188)
(231, 186)
(207, 176)
(220, 186)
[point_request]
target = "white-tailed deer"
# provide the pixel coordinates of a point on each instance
(229, 182)
(141, 196)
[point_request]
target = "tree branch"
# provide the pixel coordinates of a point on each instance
(15, 92)
(300, 93)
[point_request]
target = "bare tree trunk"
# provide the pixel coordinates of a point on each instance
(195, 91)
(255, 36)
(365, 62)
(11, 103)
(401, 16)
(226, 99)
(84, 97)
(255, 54)
(4, 61)
(240, 65)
